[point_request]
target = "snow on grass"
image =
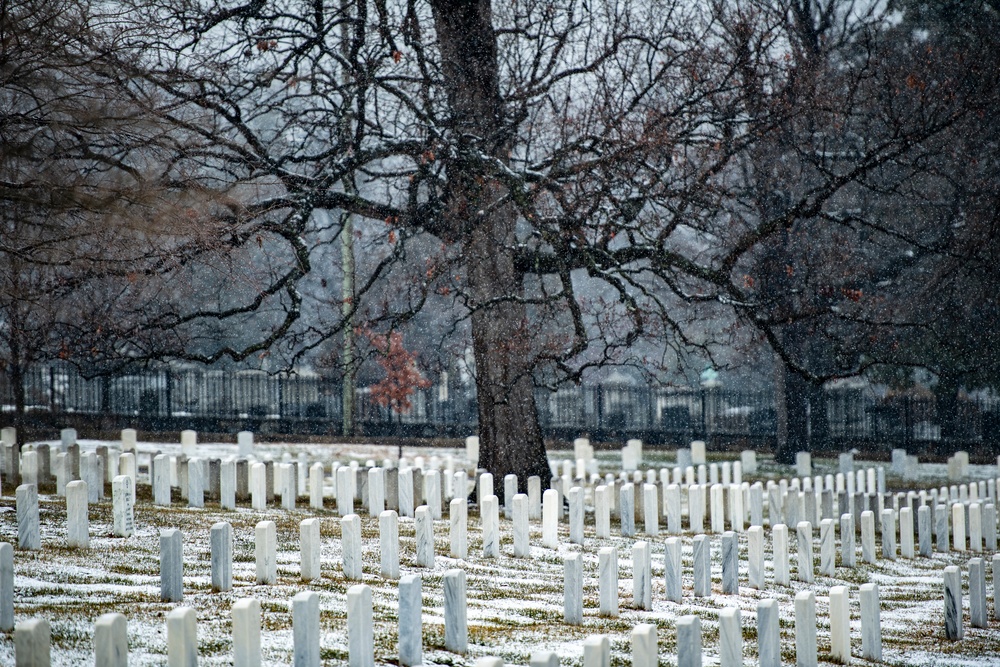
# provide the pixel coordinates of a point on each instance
(515, 605)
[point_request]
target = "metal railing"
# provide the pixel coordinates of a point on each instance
(169, 396)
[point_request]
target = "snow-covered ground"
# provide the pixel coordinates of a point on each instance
(515, 605)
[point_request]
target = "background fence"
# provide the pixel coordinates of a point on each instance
(170, 399)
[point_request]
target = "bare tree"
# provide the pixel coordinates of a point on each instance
(572, 176)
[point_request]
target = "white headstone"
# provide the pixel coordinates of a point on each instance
(111, 641)
(607, 574)
(182, 637)
(265, 552)
(246, 633)
(309, 549)
(573, 589)
(189, 442)
(305, 629)
(410, 621)
(77, 516)
(456, 633)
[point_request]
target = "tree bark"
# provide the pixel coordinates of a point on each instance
(946, 398)
(509, 433)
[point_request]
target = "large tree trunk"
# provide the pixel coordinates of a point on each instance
(791, 397)
(510, 437)
(946, 398)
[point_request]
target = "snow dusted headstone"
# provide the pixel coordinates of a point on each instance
(573, 589)
(698, 452)
(509, 491)
(316, 474)
(953, 602)
(77, 515)
(388, 531)
(424, 532)
(702, 560)
(456, 632)
(803, 464)
(189, 442)
(779, 548)
(650, 510)
(840, 625)
(868, 537)
(906, 532)
(672, 569)
(994, 570)
(644, 646)
(472, 450)
(265, 552)
(289, 485)
(246, 633)
(258, 486)
(924, 531)
(990, 527)
(127, 468)
(755, 557)
(410, 620)
(827, 548)
(941, 532)
(684, 458)
(171, 565)
(958, 526)
(718, 509)
(406, 500)
(696, 508)
(7, 587)
(889, 534)
(871, 624)
(227, 485)
(519, 511)
(642, 576)
(130, 439)
(305, 629)
(29, 535)
(805, 629)
(730, 638)
(805, 552)
(977, 593)
(196, 482)
(688, 641)
(975, 527)
(221, 539)
(602, 511)
(161, 481)
(748, 461)
(535, 497)
(848, 547)
(484, 488)
(309, 549)
(575, 499)
(768, 634)
(550, 519)
(458, 516)
(360, 629)
(898, 462)
(730, 563)
(672, 502)
(607, 576)
(32, 640)
(432, 493)
(350, 540)
(596, 651)
(244, 444)
(29, 468)
(111, 641)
